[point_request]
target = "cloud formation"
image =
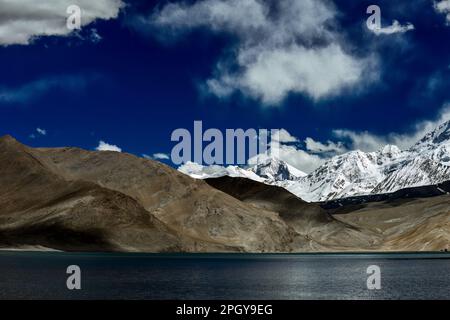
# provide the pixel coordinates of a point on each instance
(316, 152)
(395, 27)
(157, 156)
(290, 47)
(284, 136)
(327, 147)
(103, 146)
(367, 141)
(443, 7)
(22, 21)
(296, 157)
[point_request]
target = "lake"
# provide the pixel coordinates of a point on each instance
(42, 275)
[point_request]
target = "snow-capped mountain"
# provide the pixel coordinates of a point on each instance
(427, 162)
(198, 171)
(386, 170)
(263, 169)
(353, 173)
(349, 174)
(272, 169)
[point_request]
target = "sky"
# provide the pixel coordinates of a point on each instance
(137, 70)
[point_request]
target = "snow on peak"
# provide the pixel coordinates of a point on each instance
(199, 171)
(390, 150)
(440, 135)
(349, 174)
(274, 169)
(262, 169)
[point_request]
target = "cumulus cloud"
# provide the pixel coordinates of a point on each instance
(363, 140)
(22, 21)
(443, 7)
(327, 147)
(317, 152)
(39, 87)
(273, 73)
(395, 27)
(103, 146)
(297, 158)
(286, 147)
(284, 136)
(289, 48)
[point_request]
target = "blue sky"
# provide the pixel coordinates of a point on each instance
(137, 70)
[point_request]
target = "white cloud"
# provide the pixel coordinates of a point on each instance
(157, 156)
(297, 158)
(443, 7)
(367, 141)
(288, 48)
(284, 146)
(363, 140)
(161, 156)
(395, 27)
(24, 20)
(317, 152)
(103, 146)
(41, 131)
(328, 147)
(284, 136)
(272, 73)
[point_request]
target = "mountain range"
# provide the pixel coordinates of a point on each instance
(72, 199)
(353, 173)
(78, 200)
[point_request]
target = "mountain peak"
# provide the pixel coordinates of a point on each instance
(274, 169)
(10, 141)
(7, 138)
(437, 136)
(199, 171)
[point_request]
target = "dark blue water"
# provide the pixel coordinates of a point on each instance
(26, 275)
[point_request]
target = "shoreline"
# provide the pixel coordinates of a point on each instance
(225, 255)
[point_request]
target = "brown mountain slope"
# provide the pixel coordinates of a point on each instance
(73, 199)
(308, 219)
(40, 208)
(412, 224)
(128, 203)
(402, 224)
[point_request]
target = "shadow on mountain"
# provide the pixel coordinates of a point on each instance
(76, 200)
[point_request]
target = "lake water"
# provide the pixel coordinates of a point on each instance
(32, 275)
